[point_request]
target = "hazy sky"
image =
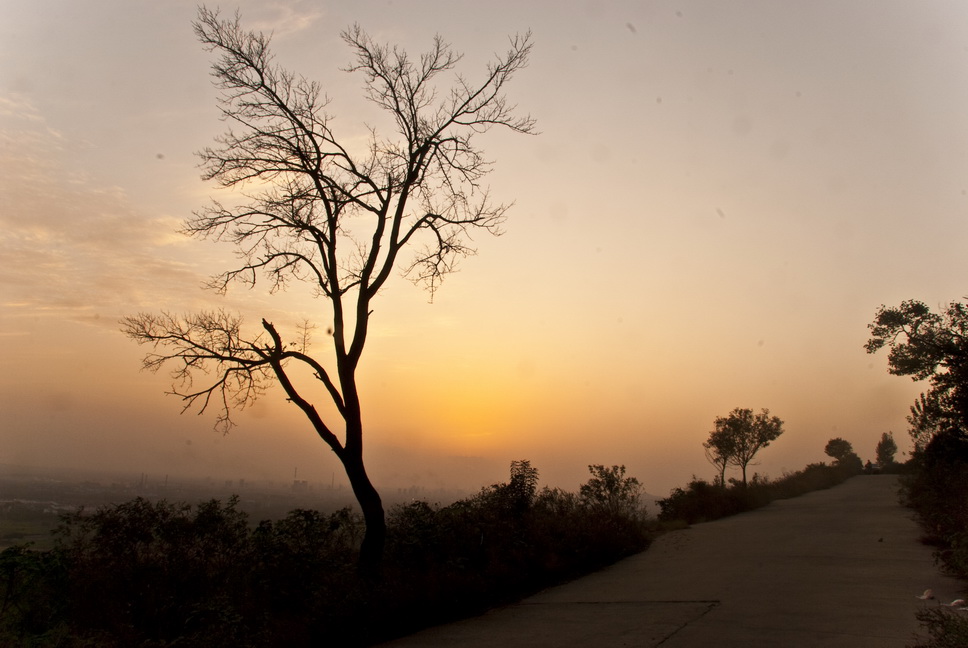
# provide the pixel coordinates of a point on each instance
(721, 195)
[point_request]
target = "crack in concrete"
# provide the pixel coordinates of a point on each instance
(710, 606)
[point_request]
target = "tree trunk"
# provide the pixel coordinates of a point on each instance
(374, 538)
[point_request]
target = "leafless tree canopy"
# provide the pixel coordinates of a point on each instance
(307, 207)
(340, 218)
(234, 370)
(316, 211)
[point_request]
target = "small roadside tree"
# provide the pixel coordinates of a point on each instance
(745, 434)
(838, 448)
(610, 491)
(317, 208)
(523, 485)
(720, 448)
(843, 452)
(885, 451)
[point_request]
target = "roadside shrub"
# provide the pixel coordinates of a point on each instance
(702, 501)
(32, 594)
(153, 572)
(161, 574)
(946, 628)
(167, 575)
(937, 489)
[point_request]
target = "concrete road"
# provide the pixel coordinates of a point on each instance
(840, 567)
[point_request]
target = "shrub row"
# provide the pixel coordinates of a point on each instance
(702, 501)
(160, 574)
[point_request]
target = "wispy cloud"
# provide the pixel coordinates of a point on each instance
(68, 245)
(284, 19)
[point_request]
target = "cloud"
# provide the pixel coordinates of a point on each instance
(69, 246)
(283, 19)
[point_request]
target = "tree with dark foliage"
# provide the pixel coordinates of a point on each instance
(843, 452)
(885, 450)
(745, 434)
(928, 346)
(838, 448)
(337, 217)
(720, 448)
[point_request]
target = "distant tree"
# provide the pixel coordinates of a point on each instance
(720, 449)
(843, 452)
(745, 434)
(611, 491)
(886, 449)
(524, 482)
(928, 346)
(838, 448)
(334, 213)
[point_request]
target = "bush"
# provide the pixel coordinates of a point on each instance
(169, 574)
(155, 572)
(937, 489)
(702, 501)
(946, 628)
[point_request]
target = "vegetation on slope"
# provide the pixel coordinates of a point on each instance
(164, 574)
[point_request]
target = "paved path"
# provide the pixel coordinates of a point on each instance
(840, 567)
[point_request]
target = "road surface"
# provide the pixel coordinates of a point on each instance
(839, 567)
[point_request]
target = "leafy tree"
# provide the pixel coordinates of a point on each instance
(926, 419)
(720, 449)
(744, 434)
(843, 452)
(839, 449)
(928, 346)
(318, 209)
(524, 482)
(611, 491)
(886, 449)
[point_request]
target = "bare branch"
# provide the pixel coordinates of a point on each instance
(335, 216)
(209, 345)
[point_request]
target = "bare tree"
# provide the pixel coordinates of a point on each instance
(318, 211)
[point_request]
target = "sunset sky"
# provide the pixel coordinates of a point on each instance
(720, 197)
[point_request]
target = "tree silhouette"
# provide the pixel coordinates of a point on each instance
(720, 448)
(610, 491)
(843, 452)
(743, 434)
(885, 450)
(928, 346)
(319, 209)
(838, 449)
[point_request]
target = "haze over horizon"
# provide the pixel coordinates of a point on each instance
(720, 197)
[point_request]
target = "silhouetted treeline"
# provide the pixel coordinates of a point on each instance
(171, 574)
